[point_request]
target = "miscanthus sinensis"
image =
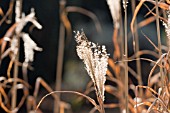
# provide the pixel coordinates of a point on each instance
(29, 47)
(167, 27)
(114, 6)
(95, 59)
(125, 2)
(29, 44)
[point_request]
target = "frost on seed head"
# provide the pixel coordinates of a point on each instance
(114, 6)
(29, 47)
(167, 27)
(95, 59)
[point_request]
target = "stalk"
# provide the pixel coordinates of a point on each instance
(126, 57)
(159, 41)
(138, 63)
(167, 40)
(60, 56)
(122, 37)
(101, 104)
(122, 72)
(18, 9)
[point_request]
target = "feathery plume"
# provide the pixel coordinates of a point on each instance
(25, 19)
(29, 47)
(114, 6)
(14, 45)
(125, 2)
(167, 27)
(95, 59)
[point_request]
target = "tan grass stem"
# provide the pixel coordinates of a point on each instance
(159, 40)
(138, 63)
(18, 8)
(60, 57)
(126, 57)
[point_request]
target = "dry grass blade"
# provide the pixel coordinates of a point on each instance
(111, 63)
(106, 106)
(10, 80)
(93, 110)
(6, 53)
(134, 74)
(135, 14)
(9, 12)
(152, 70)
(7, 37)
(59, 64)
(159, 40)
(151, 106)
(155, 95)
(111, 78)
(72, 92)
(143, 52)
(154, 79)
(2, 105)
(89, 85)
(64, 19)
(111, 105)
(126, 75)
(116, 92)
(143, 103)
(10, 67)
(40, 81)
(86, 92)
(89, 88)
(146, 21)
(1, 12)
(116, 45)
(25, 94)
(150, 11)
(151, 42)
(161, 5)
(146, 59)
(115, 67)
(110, 89)
(3, 93)
(88, 14)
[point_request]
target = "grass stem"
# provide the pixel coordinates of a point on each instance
(60, 57)
(15, 73)
(159, 40)
(126, 57)
(138, 63)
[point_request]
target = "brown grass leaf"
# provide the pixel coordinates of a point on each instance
(72, 92)
(160, 4)
(111, 105)
(1, 12)
(110, 89)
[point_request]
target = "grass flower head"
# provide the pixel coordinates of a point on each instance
(95, 59)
